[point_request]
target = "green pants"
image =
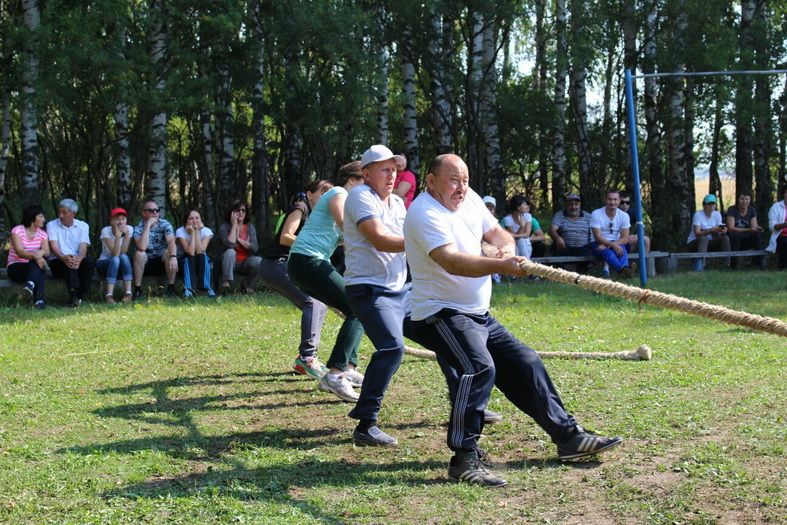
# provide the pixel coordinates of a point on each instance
(319, 279)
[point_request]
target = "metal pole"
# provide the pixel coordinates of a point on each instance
(643, 265)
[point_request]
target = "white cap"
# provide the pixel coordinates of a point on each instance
(490, 200)
(378, 153)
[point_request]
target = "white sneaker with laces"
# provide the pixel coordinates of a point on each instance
(340, 387)
(353, 376)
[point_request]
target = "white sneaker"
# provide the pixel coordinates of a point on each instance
(340, 387)
(353, 376)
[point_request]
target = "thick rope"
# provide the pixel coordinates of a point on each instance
(643, 296)
(642, 353)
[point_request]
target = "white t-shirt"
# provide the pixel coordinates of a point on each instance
(68, 238)
(610, 228)
(704, 222)
(429, 225)
(508, 221)
(106, 233)
(365, 264)
(184, 234)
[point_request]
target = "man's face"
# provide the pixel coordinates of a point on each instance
(380, 176)
(450, 184)
(572, 208)
(744, 201)
(149, 210)
(625, 203)
(66, 216)
(612, 200)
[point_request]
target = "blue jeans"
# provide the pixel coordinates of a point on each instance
(615, 261)
(382, 314)
(484, 354)
(109, 268)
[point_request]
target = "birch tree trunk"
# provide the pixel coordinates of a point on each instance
(225, 121)
(30, 150)
(743, 101)
(762, 113)
(688, 151)
(655, 172)
(476, 162)
(578, 95)
(677, 199)
(123, 159)
(5, 151)
(441, 107)
(156, 180)
(541, 86)
(559, 132)
(383, 57)
(782, 143)
(259, 168)
(488, 111)
(410, 112)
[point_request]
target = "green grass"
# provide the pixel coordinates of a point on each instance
(185, 412)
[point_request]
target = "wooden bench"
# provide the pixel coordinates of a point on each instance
(633, 257)
(675, 257)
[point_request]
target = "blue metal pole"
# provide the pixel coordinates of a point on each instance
(643, 265)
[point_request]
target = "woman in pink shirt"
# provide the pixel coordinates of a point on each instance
(404, 185)
(29, 250)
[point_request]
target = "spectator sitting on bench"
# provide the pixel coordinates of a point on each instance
(491, 205)
(115, 240)
(193, 239)
(156, 253)
(777, 223)
(570, 231)
(610, 227)
(743, 230)
(28, 252)
(625, 205)
(519, 223)
(708, 232)
(68, 242)
(238, 238)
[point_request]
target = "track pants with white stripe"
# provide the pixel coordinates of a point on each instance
(196, 272)
(484, 354)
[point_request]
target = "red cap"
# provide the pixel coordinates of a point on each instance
(118, 211)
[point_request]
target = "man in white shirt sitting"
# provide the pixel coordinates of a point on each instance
(68, 241)
(610, 227)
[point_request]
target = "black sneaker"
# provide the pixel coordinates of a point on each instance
(137, 294)
(374, 437)
(583, 443)
(74, 302)
(171, 291)
(490, 418)
(30, 287)
(467, 467)
(40, 304)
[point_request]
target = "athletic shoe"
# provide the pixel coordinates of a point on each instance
(490, 418)
(210, 293)
(310, 366)
(171, 291)
(187, 294)
(583, 443)
(353, 376)
(29, 287)
(466, 466)
(127, 297)
(625, 272)
(340, 387)
(605, 274)
(137, 294)
(110, 299)
(40, 304)
(75, 302)
(374, 437)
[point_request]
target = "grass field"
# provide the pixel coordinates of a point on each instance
(186, 412)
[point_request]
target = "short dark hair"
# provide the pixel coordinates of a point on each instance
(624, 194)
(611, 190)
(351, 170)
(235, 206)
(30, 213)
(516, 201)
(745, 193)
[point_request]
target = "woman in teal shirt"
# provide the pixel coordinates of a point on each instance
(310, 269)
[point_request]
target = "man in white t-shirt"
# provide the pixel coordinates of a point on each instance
(375, 282)
(68, 241)
(610, 227)
(443, 231)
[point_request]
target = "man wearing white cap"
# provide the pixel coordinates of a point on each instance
(375, 282)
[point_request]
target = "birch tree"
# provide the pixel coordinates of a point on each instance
(409, 95)
(30, 150)
(123, 159)
(559, 131)
(260, 155)
(441, 106)
(488, 111)
(383, 58)
(762, 111)
(743, 100)
(655, 174)
(156, 176)
(579, 59)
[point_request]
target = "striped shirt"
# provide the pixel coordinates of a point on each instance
(29, 245)
(576, 232)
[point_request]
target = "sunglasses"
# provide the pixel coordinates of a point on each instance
(625, 202)
(151, 210)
